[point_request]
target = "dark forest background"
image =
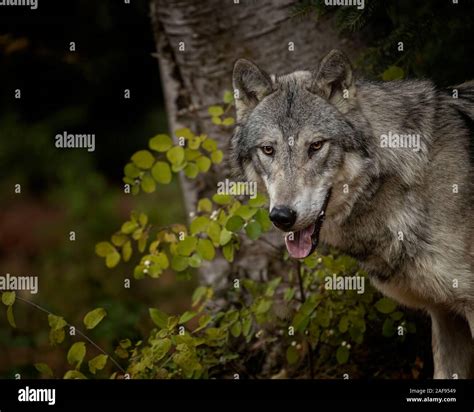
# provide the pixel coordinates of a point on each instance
(83, 92)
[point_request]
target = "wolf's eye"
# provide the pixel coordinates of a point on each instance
(268, 150)
(314, 147)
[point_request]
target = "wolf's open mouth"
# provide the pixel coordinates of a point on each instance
(302, 243)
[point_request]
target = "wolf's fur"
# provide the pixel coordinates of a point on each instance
(406, 215)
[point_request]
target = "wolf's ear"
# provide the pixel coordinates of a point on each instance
(334, 80)
(251, 85)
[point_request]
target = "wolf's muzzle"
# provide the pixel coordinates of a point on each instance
(283, 217)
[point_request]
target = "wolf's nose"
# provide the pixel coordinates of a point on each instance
(283, 217)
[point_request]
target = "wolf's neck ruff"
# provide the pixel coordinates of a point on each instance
(302, 243)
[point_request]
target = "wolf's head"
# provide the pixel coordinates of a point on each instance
(293, 137)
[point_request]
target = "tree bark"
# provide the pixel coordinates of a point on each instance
(215, 34)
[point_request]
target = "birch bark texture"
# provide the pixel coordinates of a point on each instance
(197, 43)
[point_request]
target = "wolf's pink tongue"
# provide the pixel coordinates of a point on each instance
(299, 244)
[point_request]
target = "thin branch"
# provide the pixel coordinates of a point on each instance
(76, 329)
(303, 299)
(300, 281)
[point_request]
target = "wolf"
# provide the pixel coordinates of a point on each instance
(316, 140)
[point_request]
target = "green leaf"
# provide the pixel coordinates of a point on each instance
(143, 219)
(191, 155)
(228, 97)
(245, 212)
(8, 298)
(225, 237)
(203, 163)
(222, 199)
(127, 251)
(160, 143)
(194, 143)
(198, 294)
(258, 201)
(142, 242)
(74, 375)
(342, 354)
(56, 336)
(44, 369)
(301, 318)
(236, 329)
(76, 354)
(143, 159)
(228, 251)
(343, 324)
(262, 306)
(206, 250)
(393, 73)
(125, 343)
(204, 205)
(178, 167)
(179, 263)
(288, 294)
(161, 348)
(94, 317)
(186, 317)
(209, 145)
(216, 120)
(97, 363)
(217, 156)
(204, 320)
(292, 355)
(228, 121)
(148, 185)
(396, 315)
(161, 172)
(104, 248)
(215, 110)
(184, 132)
(253, 230)
(160, 259)
(112, 259)
(234, 224)
(385, 305)
(131, 171)
(214, 232)
(56, 322)
(10, 317)
(187, 246)
(388, 328)
(158, 317)
(195, 261)
(129, 227)
(191, 170)
(118, 239)
(175, 155)
(262, 217)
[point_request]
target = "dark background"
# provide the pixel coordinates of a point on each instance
(82, 92)
(73, 189)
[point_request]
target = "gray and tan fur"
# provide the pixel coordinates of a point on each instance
(406, 215)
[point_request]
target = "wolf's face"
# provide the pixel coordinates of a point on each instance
(292, 137)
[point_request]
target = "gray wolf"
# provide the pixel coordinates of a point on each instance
(317, 141)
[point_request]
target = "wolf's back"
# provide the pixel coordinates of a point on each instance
(465, 100)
